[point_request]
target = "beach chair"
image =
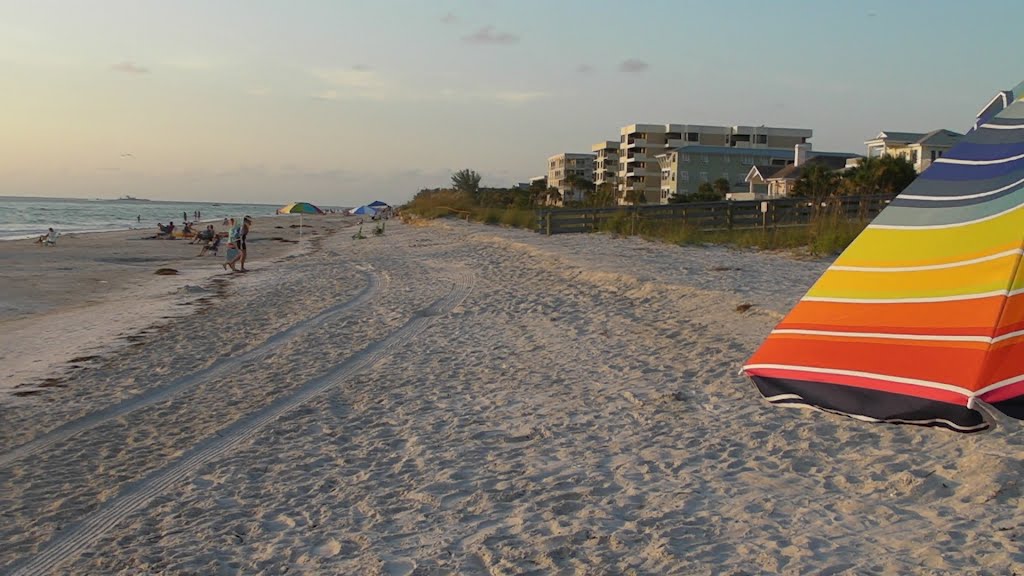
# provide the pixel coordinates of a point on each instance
(211, 246)
(359, 234)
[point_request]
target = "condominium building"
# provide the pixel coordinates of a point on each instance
(684, 169)
(606, 162)
(561, 170)
(639, 176)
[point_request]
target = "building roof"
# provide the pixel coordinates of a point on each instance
(844, 155)
(906, 137)
(940, 137)
(833, 161)
(765, 171)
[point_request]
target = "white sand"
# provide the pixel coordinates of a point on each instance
(463, 399)
(94, 293)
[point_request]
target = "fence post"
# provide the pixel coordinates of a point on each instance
(547, 219)
(728, 216)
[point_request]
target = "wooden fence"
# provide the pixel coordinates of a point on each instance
(709, 216)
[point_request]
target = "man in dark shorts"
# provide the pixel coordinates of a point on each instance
(246, 223)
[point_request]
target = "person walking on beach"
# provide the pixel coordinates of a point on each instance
(233, 254)
(138, 218)
(246, 222)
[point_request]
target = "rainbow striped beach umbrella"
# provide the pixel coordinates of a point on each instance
(300, 208)
(921, 319)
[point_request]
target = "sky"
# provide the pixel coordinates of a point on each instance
(339, 102)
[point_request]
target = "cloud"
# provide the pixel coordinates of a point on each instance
(326, 95)
(519, 97)
(512, 97)
(358, 77)
(449, 18)
(358, 82)
(129, 68)
(633, 65)
(192, 64)
(584, 68)
(488, 35)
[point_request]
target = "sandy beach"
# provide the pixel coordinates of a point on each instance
(451, 398)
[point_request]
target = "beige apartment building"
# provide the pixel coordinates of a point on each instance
(640, 174)
(917, 148)
(606, 162)
(561, 166)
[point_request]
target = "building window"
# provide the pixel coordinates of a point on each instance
(692, 137)
(686, 157)
(725, 158)
(704, 158)
(703, 176)
(934, 154)
(725, 175)
(762, 138)
(684, 176)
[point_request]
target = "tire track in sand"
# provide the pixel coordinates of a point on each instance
(374, 284)
(79, 537)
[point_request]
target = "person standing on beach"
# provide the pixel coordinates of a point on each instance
(184, 216)
(233, 253)
(246, 222)
(138, 218)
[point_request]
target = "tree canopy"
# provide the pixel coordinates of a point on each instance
(467, 181)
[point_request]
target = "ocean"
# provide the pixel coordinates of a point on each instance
(25, 217)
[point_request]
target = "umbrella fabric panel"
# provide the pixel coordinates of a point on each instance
(927, 303)
(966, 317)
(300, 208)
(870, 405)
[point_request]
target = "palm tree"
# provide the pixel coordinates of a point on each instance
(604, 195)
(816, 181)
(879, 175)
(467, 181)
(722, 187)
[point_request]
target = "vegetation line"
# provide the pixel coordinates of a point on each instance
(829, 231)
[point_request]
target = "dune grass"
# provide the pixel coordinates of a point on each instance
(453, 204)
(827, 234)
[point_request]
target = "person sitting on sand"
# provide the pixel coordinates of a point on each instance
(211, 246)
(204, 235)
(49, 238)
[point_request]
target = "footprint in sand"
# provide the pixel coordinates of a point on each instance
(328, 549)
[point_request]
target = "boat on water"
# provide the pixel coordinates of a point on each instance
(133, 199)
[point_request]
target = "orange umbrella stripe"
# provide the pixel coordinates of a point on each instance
(957, 365)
